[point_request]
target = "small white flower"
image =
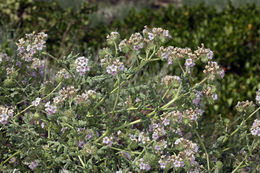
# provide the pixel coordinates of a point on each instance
(36, 102)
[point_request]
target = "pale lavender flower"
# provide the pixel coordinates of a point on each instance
(121, 67)
(42, 124)
(222, 73)
(112, 69)
(18, 63)
(82, 65)
(34, 164)
(39, 46)
(119, 171)
(36, 102)
(166, 122)
(210, 55)
(189, 63)
(50, 109)
(178, 164)
(150, 36)
(194, 117)
(177, 141)
(155, 136)
(255, 129)
(157, 148)
(166, 33)
(139, 46)
(147, 167)
(214, 96)
(200, 111)
(132, 137)
(4, 118)
(81, 144)
(142, 166)
(258, 96)
(162, 164)
(107, 140)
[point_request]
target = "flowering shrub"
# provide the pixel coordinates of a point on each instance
(107, 115)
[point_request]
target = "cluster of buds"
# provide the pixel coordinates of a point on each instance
(10, 71)
(50, 109)
(85, 96)
(112, 38)
(155, 34)
(171, 81)
(191, 114)
(27, 48)
(212, 68)
(136, 41)
(63, 74)
(255, 129)
(64, 94)
(143, 166)
(245, 106)
(82, 65)
(115, 67)
(170, 53)
(175, 116)
(209, 91)
(5, 113)
(205, 54)
(258, 96)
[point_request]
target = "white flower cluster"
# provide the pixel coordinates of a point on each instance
(82, 65)
(258, 96)
(50, 109)
(36, 102)
(115, 67)
(27, 48)
(5, 113)
(63, 74)
(255, 129)
(85, 96)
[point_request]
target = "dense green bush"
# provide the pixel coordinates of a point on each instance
(105, 114)
(64, 21)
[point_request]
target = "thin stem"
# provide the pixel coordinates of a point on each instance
(117, 97)
(81, 161)
(204, 148)
(239, 165)
(165, 93)
(17, 152)
(244, 121)
(101, 137)
(41, 99)
(129, 124)
(115, 47)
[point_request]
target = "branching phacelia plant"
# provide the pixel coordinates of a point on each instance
(108, 115)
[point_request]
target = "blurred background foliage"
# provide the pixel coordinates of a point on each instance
(230, 28)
